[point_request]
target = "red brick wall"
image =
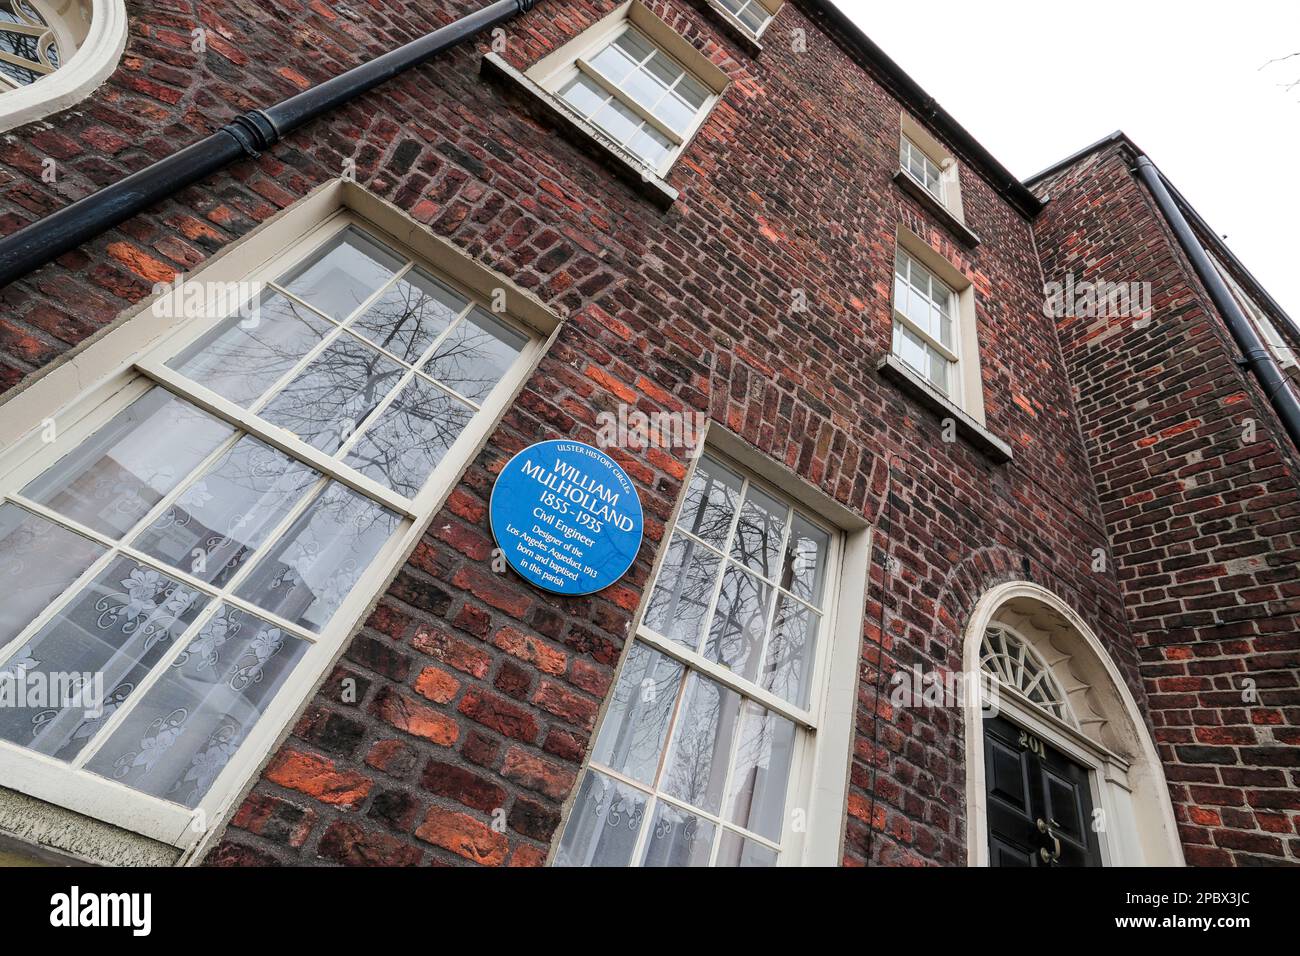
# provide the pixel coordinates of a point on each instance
(478, 693)
(1204, 523)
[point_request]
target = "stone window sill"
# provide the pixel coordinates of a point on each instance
(936, 209)
(907, 381)
(579, 131)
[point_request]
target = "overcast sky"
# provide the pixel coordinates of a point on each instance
(1037, 81)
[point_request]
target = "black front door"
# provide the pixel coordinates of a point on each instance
(1039, 801)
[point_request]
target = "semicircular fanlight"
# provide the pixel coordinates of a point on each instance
(29, 45)
(1015, 664)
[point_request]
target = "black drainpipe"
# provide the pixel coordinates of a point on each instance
(1257, 356)
(247, 135)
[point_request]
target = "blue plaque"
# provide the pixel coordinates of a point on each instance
(566, 517)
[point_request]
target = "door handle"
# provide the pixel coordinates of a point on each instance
(1055, 854)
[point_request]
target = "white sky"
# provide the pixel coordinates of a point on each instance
(1037, 81)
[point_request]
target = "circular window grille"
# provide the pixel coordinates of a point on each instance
(1015, 664)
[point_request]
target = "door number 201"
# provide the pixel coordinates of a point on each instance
(1031, 743)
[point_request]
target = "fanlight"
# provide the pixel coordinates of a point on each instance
(39, 36)
(1015, 664)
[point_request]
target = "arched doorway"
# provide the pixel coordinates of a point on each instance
(1061, 770)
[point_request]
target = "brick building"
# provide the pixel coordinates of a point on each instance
(909, 435)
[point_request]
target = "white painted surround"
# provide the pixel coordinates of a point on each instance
(1128, 780)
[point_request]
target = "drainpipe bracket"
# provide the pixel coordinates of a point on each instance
(254, 132)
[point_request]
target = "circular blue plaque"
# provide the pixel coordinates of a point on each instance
(566, 517)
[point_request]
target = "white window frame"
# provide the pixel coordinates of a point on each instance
(115, 370)
(94, 60)
(819, 766)
(907, 152)
(556, 69)
(915, 136)
(966, 391)
(770, 7)
(951, 354)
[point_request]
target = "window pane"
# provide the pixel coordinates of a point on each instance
(650, 146)
(38, 561)
(681, 597)
(348, 270)
(583, 95)
(791, 651)
(617, 120)
(754, 17)
(735, 850)
(634, 729)
(112, 479)
(678, 838)
(634, 45)
(614, 62)
(759, 779)
(475, 356)
(645, 86)
(938, 370)
(227, 512)
(918, 310)
(663, 69)
(804, 572)
(692, 92)
(241, 358)
(739, 623)
(410, 315)
(313, 568)
(603, 824)
(710, 504)
(697, 765)
(109, 637)
(675, 113)
(412, 435)
(20, 75)
(757, 544)
(925, 360)
(902, 291)
(189, 724)
(945, 329)
(328, 399)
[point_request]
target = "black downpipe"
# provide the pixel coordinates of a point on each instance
(247, 135)
(1256, 353)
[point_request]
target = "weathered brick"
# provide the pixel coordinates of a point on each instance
(507, 719)
(416, 719)
(318, 778)
(534, 773)
(463, 786)
(345, 842)
(463, 835)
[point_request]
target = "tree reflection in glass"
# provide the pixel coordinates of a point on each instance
(412, 435)
(337, 390)
(410, 316)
